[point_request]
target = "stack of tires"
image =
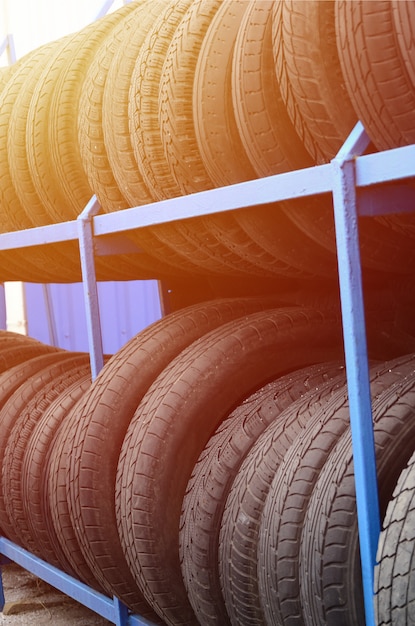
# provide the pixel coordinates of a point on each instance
(162, 99)
(206, 475)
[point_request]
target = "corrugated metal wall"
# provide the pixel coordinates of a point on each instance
(56, 313)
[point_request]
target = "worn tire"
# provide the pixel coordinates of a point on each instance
(379, 85)
(239, 532)
(312, 81)
(44, 542)
(15, 404)
(212, 479)
(330, 567)
(290, 492)
(394, 571)
(17, 440)
(52, 134)
(98, 436)
(92, 148)
(202, 386)
(217, 134)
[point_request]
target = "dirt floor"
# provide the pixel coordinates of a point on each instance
(32, 602)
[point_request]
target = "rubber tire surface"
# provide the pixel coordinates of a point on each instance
(100, 430)
(379, 85)
(52, 134)
(20, 202)
(92, 146)
(394, 571)
(35, 487)
(273, 147)
(312, 81)
(17, 440)
(16, 403)
(290, 492)
(212, 479)
(330, 568)
(192, 243)
(202, 386)
(62, 535)
(240, 524)
(217, 134)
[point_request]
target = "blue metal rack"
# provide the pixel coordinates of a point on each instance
(343, 177)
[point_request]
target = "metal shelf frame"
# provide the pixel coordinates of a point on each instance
(351, 177)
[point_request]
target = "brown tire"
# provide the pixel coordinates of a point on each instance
(141, 359)
(375, 73)
(310, 75)
(201, 386)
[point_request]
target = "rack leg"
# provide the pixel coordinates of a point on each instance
(3, 561)
(121, 612)
(86, 249)
(345, 211)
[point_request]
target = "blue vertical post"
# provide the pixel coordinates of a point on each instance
(50, 318)
(121, 612)
(3, 560)
(89, 284)
(354, 330)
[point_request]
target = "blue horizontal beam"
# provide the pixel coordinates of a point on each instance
(41, 235)
(296, 184)
(97, 602)
(383, 167)
(371, 169)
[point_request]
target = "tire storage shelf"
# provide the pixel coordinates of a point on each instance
(345, 177)
(232, 462)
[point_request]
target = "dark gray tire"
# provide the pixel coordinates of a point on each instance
(98, 437)
(290, 492)
(212, 479)
(394, 571)
(330, 567)
(201, 386)
(240, 525)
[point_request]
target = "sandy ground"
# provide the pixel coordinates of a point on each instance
(30, 601)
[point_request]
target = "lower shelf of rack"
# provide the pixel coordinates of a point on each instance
(109, 608)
